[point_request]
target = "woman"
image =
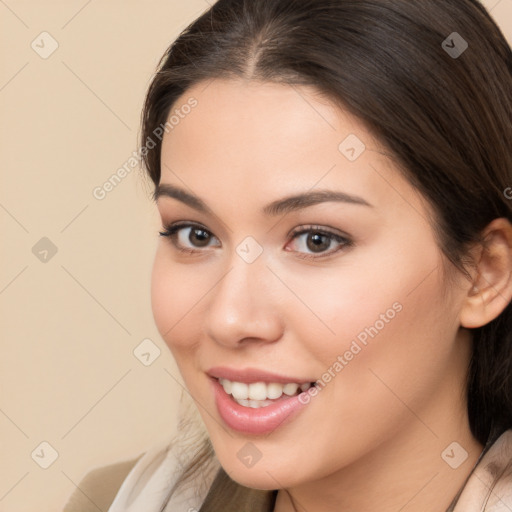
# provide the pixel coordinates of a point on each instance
(334, 274)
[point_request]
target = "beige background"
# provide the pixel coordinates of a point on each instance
(70, 323)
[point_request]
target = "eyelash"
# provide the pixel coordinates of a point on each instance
(171, 231)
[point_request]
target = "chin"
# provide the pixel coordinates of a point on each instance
(260, 480)
(265, 476)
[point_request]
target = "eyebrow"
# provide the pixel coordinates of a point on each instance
(280, 206)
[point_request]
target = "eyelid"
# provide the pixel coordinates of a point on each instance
(306, 228)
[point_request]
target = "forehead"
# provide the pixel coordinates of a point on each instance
(262, 117)
(267, 139)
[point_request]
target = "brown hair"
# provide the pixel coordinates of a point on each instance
(445, 118)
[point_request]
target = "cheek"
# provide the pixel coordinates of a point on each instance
(374, 310)
(175, 299)
(396, 346)
(163, 301)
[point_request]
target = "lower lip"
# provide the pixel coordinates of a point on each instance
(262, 420)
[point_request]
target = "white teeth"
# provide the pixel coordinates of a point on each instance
(255, 404)
(226, 384)
(274, 390)
(290, 389)
(256, 394)
(257, 391)
(240, 390)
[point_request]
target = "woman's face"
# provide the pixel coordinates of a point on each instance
(346, 292)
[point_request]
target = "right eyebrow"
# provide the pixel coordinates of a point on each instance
(165, 190)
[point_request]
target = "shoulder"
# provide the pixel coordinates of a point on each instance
(151, 482)
(97, 490)
(497, 475)
(489, 486)
(143, 484)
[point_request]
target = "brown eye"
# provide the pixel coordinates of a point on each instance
(315, 242)
(187, 237)
(202, 236)
(318, 242)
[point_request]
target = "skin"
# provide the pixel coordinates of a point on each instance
(374, 435)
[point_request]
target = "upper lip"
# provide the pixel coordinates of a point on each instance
(249, 375)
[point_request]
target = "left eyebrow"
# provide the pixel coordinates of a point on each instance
(299, 201)
(280, 206)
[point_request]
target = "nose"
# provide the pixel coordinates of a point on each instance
(244, 306)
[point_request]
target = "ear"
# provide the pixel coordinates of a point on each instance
(491, 289)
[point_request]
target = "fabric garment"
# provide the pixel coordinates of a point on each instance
(488, 488)
(147, 484)
(97, 490)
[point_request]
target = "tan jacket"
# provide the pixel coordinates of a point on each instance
(97, 490)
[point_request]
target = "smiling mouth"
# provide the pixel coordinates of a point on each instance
(261, 394)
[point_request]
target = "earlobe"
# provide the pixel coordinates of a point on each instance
(491, 290)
